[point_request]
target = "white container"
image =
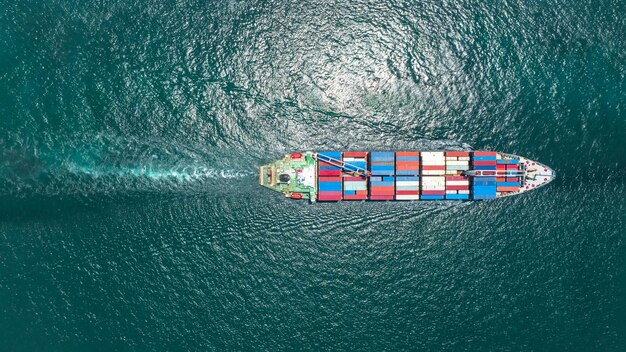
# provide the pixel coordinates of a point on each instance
(408, 183)
(433, 172)
(432, 154)
(457, 162)
(433, 188)
(458, 183)
(434, 179)
(407, 196)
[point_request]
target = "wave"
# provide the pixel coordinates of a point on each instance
(109, 165)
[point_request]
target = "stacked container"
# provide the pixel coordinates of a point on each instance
(457, 187)
(433, 187)
(382, 171)
(408, 163)
(484, 187)
(354, 187)
(433, 163)
(457, 162)
(510, 183)
(407, 181)
(329, 176)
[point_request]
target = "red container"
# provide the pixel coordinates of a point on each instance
(456, 188)
(354, 197)
(507, 189)
(296, 195)
(433, 192)
(323, 163)
(433, 167)
(374, 197)
(382, 190)
(484, 163)
(484, 153)
(511, 167)
(407, 193)
(353, 178)
(361, 193)
(407, 153)
(511, 179)
(329, 179)
(501, 167)
(354, 154)
(457, 178)
(408, 165)
(329, 172)
(329, 196)
(500, 179)
(295, 155)
(457, 154)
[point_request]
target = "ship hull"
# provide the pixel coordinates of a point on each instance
(403, 175)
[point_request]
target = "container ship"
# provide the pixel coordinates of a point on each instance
(332, 176)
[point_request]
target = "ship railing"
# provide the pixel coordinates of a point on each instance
(490, 173)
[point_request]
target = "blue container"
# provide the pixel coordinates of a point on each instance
(508, 162)
(485, 167)
(407, 158)
(382, 183)
(327, 155)
(388, 179)
(508, 184)
(484, 190)
(431, 197)
(407, 178)
(485, 196)
(329, 168)
(457, 196)
(483, 185)
(382, 172)
(407, 172)
(330, 186)
(382, 167)
(381, 156)
(354, 166)
(376, 179)
(484, 181)
(349, 193)
(484, 158)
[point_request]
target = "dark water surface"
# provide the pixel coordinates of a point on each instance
(130, 217)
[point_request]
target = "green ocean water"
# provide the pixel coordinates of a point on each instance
(130, 134)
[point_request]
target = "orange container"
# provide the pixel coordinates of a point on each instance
(407, 165)
(451, 154)
(433, 167)
(382, 190)
(354, 154)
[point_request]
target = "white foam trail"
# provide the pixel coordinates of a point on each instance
(187, 173)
